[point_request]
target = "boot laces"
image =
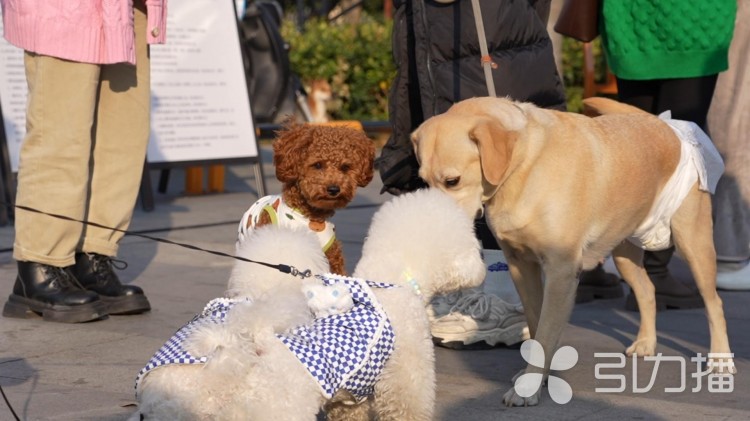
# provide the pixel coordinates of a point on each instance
(61, 278)
(104, 266)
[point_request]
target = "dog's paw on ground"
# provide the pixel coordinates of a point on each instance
(642, 348)
(723, 366)
(512, 398)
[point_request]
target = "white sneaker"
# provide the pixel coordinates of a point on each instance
(441, 305)
(477, 320)
(737, 280)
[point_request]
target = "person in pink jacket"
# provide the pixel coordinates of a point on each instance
(87, 128)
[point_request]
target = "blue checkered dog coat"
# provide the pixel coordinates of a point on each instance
(341, 351)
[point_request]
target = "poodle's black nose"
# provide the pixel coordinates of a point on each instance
(333, 190)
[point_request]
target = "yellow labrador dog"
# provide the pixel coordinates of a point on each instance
(561, 192)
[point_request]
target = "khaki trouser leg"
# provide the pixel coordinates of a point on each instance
(63, 171)
(120, 142)
(53, 163)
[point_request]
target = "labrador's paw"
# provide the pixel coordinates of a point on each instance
(724, 366)
(512, 398)
(521, 373)
(642, 348)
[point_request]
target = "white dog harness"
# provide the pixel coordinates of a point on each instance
(341, 351)
(346, 350)
(699, 161)
(283, 215)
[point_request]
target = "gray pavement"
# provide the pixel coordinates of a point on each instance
(86, 371)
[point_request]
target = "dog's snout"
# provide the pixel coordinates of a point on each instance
(333, 190)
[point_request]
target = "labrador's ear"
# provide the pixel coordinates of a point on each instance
(495, 148)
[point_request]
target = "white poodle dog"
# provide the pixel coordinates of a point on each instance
(209, 381)
(367, 354)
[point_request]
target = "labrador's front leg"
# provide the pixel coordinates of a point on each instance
(526, 274)
(558, 301)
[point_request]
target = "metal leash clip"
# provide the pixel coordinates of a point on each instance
(304, 274)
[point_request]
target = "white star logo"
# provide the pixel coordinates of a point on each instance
(529, 383)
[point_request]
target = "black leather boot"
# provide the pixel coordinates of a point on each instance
(598, 283)
(670, 292)
(96, 273)
(52, 292)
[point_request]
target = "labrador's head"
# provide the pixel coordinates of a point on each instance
(467, 150)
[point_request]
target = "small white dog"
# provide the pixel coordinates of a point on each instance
(262, 299)
(419, 244)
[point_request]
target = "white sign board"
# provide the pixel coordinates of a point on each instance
(200, 109)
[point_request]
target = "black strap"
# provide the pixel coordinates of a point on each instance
(280, 267)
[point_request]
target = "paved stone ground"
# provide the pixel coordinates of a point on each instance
(86, 371)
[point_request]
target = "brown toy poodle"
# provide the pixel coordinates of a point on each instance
(320, 168)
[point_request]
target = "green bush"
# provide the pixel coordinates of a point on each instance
(355, 59)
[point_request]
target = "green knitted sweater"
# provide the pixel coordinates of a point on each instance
(664, 39)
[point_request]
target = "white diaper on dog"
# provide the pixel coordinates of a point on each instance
(699, 161)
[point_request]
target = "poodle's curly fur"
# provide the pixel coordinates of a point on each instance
(320, 168)
(421, 241)
(218, 390)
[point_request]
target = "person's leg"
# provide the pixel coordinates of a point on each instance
(643, 94)
(52, 178)
(53, 166)
(728, 128)
(688, 99)
(121, 133)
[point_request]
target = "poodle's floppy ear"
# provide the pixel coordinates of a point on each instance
(365, 153)
(289, 149)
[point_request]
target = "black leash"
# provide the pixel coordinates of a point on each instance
(163, 229)
(5, 398)
(280, 267)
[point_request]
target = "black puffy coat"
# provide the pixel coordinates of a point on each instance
(438, 61)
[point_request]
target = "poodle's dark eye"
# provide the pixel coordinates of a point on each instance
(452, 182)
(317, 165)
(345, 168)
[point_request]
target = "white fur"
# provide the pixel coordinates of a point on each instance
(217, 390)
(422, 236)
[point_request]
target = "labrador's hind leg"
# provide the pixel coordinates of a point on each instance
(692, 233)
(629, 261)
